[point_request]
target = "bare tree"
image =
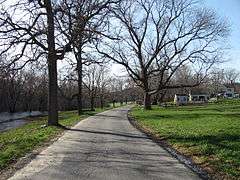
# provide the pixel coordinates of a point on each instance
(103, 84)
(132, 92)
(14, 86)
(83, 22)
(116, 89)
(231, 76)
(92, 78)
(28, 34)
(29, 90)
(120, 86)
(41, 94)
(156, 37)
(23, 90)
(216, 80)
(67, 91)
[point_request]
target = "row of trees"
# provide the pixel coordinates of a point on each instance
(152, 39)
(222, 77)
(45, 31)
(25, 90)
(216, 81)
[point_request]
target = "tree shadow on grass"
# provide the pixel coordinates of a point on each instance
(215, 142)
(191, 116)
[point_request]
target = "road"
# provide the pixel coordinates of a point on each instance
(105, 147)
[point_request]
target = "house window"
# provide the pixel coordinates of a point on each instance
(195, 98)
(201, 98)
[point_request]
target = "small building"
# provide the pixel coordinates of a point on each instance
(229, 92)
(181, 99)
(236, 95)
(199, 97)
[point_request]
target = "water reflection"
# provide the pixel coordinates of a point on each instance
(13, 120)
(4, 126)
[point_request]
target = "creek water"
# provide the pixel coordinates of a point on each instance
(14, 120)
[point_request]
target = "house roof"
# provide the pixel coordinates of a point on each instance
(181, 94)
(199, 95)
(198, 92)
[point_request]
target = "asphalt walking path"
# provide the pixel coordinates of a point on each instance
(105, 147)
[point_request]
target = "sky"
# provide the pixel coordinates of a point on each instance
(229, 9)
(226, 9)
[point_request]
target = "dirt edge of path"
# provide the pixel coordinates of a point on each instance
(20, 163)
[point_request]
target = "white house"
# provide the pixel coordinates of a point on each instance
(181, 99)
(193, 97)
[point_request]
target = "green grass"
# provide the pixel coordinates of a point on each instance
(209, 134)
(15, 143)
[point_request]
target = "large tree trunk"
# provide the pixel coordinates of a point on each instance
(155, 99)
(12, 107)
(147, 96)
(160, 100)
(52, 67)
(101, 101)
(79, 72)
(52, 93)
(92, 103)
(147, 101)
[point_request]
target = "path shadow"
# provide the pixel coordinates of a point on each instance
(129, 135)
(108, 116)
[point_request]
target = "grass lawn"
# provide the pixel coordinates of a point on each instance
(209, 134)
(15, 143)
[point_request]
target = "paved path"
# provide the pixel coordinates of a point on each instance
(105, 147)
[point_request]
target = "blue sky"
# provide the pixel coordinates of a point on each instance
(230, 9)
